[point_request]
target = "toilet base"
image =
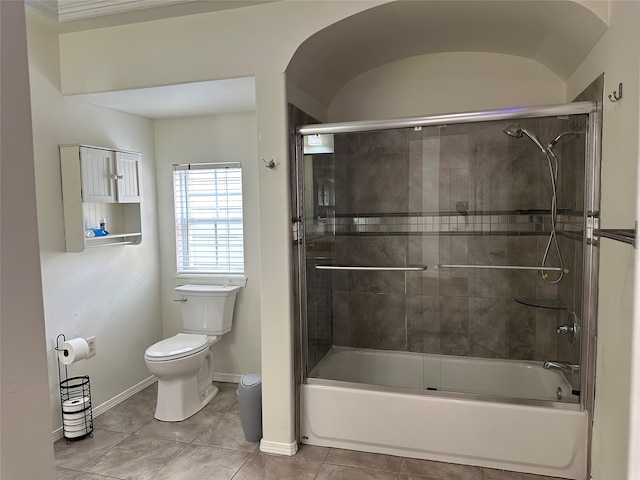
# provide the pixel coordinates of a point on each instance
(180, 399)
(181, 396)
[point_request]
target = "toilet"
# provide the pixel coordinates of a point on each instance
(183, 363)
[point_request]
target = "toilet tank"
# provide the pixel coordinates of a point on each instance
(207, 309)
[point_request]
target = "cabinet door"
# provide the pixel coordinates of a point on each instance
(129, 186)
(97, 175)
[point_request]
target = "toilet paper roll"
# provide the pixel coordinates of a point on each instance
(73, 351)
(75, 404)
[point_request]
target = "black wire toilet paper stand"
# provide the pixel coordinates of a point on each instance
(75, 401)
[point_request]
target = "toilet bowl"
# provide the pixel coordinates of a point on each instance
(178, 362)
(184, 363)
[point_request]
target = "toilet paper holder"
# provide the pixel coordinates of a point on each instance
(75, 401)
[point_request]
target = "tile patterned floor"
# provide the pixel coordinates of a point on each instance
(129, 444)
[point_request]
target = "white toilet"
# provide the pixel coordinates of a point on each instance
(185, 379)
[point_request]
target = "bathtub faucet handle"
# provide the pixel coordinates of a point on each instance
(565, 329)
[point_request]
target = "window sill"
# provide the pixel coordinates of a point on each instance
(210, 279)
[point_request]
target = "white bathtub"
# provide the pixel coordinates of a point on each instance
(545, 440)
(510, 378)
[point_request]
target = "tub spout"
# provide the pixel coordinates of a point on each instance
(567, 367)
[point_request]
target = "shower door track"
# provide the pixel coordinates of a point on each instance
(573, 108)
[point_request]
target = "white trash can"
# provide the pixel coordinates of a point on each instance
(250, 406)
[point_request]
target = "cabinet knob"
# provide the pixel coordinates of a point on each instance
(117, 177)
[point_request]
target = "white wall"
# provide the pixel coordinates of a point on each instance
(235, 43)
(446, 83)
(220, 138)
(618, 55)
(260, 41)
(112, 293)
(26, 451)
(226, 44)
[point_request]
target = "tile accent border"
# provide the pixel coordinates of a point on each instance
(530, 222)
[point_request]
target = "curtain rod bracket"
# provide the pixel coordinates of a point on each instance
(270, 164)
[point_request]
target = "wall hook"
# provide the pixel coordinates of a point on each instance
(270, 164)
(615, 96)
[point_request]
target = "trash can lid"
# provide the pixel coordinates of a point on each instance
(251, 379)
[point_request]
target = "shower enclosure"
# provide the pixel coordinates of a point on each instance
(444, 262)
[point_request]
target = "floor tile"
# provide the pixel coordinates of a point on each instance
(199, 462)
(136, 458)
(224, 399)
(76, 455)
(227, 433)
(63, 473)
(492, 474)
(339, 472)
(404, 476)
(272, 467)
(90, 476)
(311, 453)
(148, 395)
(185, 431)
(440, 470)
(373, 461)
(128, 417)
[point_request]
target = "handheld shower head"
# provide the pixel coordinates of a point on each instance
(516, 131)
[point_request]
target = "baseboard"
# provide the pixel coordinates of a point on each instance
(109, 404)
(226, 377)
(278, 448)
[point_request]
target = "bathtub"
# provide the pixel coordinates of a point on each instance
(509, 378)
(512, 421)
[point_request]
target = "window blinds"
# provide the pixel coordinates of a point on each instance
(208, 218)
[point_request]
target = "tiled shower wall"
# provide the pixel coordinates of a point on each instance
(459, 194)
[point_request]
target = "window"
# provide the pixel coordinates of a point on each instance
(208, 215)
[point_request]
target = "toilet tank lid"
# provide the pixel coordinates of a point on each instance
(207, 289)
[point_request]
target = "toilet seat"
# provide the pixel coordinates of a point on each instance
(179, 346)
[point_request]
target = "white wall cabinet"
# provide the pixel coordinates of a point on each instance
(100, 183)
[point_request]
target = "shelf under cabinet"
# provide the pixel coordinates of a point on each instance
(113, 239)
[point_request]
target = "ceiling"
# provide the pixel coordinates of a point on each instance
(171, 101)
(556, 33)
(183, 100)
(76, 15)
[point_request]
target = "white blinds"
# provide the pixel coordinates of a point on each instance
(208, 216)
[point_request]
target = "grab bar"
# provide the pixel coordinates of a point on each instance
(506, 267)
(393, 269)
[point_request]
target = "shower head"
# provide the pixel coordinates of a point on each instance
(516, 131)
(553, 142)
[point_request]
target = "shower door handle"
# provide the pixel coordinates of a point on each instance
(380, 269)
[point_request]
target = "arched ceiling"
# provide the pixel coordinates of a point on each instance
(556, 33)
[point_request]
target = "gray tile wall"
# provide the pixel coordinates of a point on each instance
(459, 194)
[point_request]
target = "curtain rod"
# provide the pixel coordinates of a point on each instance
(574, 108)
